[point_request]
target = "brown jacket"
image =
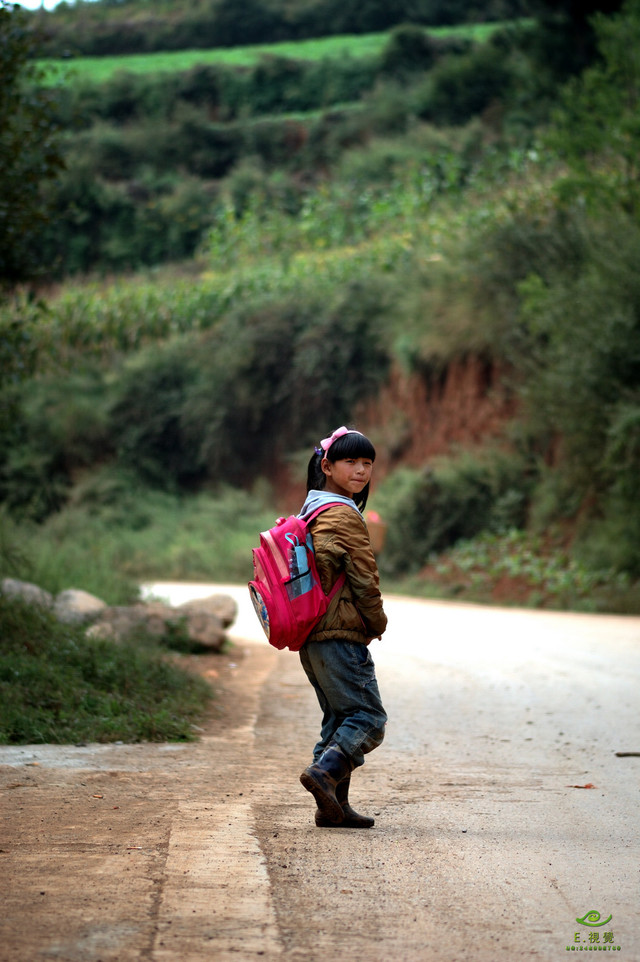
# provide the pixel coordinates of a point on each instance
(341, 543)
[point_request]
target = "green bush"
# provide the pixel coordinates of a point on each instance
(33, 479)
(472, 294)
(123, 225)
(275, 85)
(455, 499)
(388, 111)
(409, 49)
(249, 181)
(388, 160)
(59, 427)
(30, 148)
(595, 127)
(458, 88)
(283, 369)
(146, 417)
(582, 384)
(611, 539)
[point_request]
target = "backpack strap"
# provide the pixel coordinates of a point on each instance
(323, 507)
(342, 576)
(338, 585)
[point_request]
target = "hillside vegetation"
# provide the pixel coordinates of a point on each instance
(151, 157)
(143, 26)
(309, 228)
(356, 46)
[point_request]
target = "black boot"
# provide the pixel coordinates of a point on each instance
(322, 777)
(351, 818)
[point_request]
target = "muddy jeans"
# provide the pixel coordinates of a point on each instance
(344, 678)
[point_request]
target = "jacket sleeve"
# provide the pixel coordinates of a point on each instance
(342, 543)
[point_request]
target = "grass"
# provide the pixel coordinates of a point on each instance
(109, 549)
(100, 69)
(519, 568)
(58, 686)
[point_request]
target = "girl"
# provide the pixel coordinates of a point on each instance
(335, 657)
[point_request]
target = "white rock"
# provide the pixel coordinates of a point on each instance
(223, 606)
(30, 593)
(75, 606)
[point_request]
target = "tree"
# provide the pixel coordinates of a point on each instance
(564, 42)
(30, 149)
(249, 22)
(597, 127)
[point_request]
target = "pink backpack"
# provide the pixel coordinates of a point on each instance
(286, 590)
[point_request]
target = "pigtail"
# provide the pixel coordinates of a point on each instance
(316, 478)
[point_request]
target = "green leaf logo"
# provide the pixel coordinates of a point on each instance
(592, 919)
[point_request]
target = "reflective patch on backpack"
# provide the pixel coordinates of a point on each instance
(299, 585)
(260, 608)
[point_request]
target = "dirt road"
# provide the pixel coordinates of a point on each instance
(484, 846)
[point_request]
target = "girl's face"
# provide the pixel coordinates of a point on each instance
(347, 476)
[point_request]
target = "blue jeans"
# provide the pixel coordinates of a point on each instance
(344, 678)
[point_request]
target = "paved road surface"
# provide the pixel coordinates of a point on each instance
(487, 844)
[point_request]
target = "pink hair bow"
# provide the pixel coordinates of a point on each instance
(326, 443)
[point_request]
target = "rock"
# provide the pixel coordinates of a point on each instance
(102, 631)
(223, 606)
(202, 627)
(118, 622)
(203, 620)
(159, 617)
(30, 593)
(74, 607)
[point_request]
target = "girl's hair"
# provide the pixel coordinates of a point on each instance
(351, 445)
